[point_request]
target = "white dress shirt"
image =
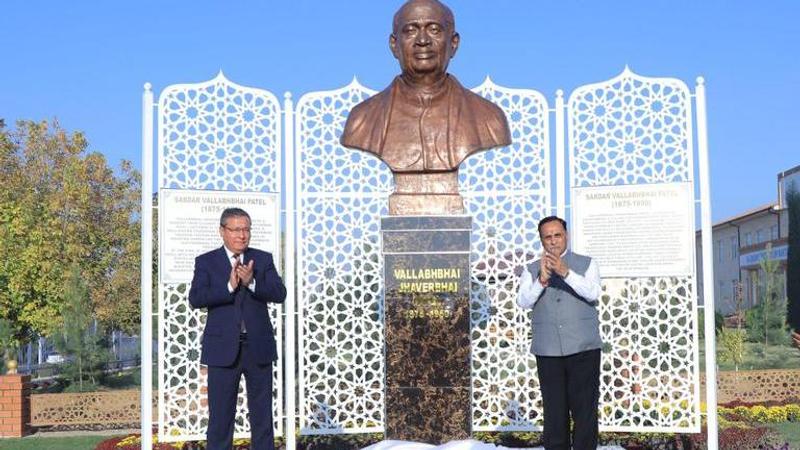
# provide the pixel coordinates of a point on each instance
(587, 286)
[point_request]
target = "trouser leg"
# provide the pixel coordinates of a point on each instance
(552, 383)
(223, 390)
(259, 402)
(583, 392)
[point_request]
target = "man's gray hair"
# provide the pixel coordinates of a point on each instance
(232, 212)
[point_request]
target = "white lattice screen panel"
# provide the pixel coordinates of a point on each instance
(633, 130)
(506, 191)
(629, 130)
(646, 382)
(214, 135)
(342, 194)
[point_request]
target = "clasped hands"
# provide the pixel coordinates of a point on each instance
(552, 264)
(241, 274)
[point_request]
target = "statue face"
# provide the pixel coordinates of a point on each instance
(424, 39)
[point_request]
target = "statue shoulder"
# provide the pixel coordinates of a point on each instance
(495, 131)
(364, 124)
(485, 106)
(494, 118)
(367, 107)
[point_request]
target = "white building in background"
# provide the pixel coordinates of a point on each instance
(740, 242)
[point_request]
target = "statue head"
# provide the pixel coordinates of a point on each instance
(423, 40)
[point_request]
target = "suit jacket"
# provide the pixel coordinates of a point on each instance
(226, 310)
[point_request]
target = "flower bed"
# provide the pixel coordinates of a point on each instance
(742, 426)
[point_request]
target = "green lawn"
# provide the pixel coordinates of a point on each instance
(776, 357)
(53, 443)
(790, 431)
(128, 379)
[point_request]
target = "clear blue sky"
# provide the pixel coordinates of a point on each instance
(84, 62)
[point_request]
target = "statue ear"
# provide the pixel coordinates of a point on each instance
(393, 45)
(454, 41)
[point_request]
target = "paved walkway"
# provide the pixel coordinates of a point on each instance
(455, 445)
(383, 445)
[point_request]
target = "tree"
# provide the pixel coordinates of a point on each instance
(731, 346)
(6, 342)
(78, 341)
(61, 206)
(767, 321)
(793, 259)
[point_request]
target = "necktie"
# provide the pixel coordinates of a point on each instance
(238, 299)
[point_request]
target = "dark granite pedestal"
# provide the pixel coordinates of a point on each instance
(427, 327)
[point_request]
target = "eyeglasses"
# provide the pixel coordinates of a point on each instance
(245, 230)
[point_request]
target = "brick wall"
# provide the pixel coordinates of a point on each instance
(15, 405)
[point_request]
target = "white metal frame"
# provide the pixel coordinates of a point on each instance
(294, 192)
(506, 192)
(623, 111)
(146, 324)
(250, 107)
(712, 420)
(332, 183)
(290, 355)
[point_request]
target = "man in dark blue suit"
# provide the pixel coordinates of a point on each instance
(235, 283)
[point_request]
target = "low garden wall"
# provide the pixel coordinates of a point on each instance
(104, 408)
(756, 386)
(111, 408)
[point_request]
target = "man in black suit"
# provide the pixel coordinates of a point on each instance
(235, 283)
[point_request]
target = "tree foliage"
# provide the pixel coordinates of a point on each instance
(731, 346)
(62, 206)
(766, 322)
(78, 339)
(793, 258)
(6, 341)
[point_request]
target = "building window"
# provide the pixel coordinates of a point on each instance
(748, 239)
(773, 231)
(734, 248)
(719, 250)
(759, 236)
(753, 287)
(746, 289)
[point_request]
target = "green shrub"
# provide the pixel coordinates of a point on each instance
(777, 332)
(730, 346)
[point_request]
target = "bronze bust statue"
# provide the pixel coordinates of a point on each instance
(425, 123)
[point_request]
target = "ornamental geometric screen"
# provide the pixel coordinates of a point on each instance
(630, 130)
(506, 191)
(341, 196)
(214, 135)
(633, 130)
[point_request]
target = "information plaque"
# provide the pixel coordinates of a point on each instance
(635, 231)
(189, 226)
